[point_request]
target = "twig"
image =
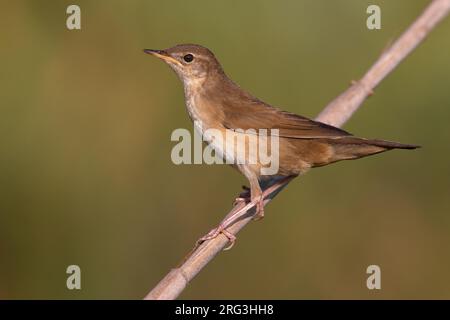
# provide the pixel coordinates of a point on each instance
(336, 113)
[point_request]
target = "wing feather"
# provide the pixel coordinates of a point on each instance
(258, 115)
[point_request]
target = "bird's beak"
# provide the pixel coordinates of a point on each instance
(162, 55)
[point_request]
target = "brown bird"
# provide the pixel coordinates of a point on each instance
(216, 102)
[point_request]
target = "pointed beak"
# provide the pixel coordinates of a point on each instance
(157, 53)
(162, 55)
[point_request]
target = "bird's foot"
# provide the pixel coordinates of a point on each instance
(215, 232)
(259, 208)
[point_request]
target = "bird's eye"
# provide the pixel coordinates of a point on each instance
(188, 58)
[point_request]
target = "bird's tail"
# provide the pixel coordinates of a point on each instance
(354, 148)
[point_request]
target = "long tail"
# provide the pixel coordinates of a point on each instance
(354, 148)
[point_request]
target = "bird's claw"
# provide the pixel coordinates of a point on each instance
(215, 232)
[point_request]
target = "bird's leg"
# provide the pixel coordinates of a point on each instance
(257, 197)
(237, 213)
(256, 194)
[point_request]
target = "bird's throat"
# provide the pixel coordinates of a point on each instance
(200, 104)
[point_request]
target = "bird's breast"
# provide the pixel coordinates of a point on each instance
(208, 122)
(201, 109)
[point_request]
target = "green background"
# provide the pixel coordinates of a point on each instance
(86, 176)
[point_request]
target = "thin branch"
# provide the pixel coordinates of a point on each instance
(336, 113)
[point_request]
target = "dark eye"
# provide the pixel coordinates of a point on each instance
(188, 58)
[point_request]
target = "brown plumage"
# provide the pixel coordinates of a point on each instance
(217, 102)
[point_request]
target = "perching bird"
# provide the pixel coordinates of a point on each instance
(215, 101)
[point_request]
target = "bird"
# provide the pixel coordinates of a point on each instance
(216, 102)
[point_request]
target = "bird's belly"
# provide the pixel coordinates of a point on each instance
(229, 147)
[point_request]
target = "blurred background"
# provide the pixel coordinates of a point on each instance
(86, 176)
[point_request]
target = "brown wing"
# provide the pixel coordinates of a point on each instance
(258, 115)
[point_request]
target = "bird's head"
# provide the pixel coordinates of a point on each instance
(191, 62)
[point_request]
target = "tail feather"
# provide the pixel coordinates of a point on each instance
(354, 148)
(388, 144)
